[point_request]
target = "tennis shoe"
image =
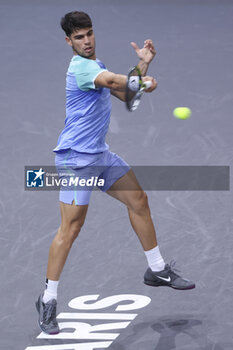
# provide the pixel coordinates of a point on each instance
(167, 277)
(47, 315)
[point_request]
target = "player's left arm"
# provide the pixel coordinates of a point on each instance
(145, 55)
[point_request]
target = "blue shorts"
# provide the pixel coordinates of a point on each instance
(80, 172)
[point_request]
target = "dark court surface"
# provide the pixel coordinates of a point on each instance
(193, 67)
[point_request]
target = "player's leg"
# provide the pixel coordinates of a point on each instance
(74, 202)
(72, 220)
(128, 191)
(121, 183)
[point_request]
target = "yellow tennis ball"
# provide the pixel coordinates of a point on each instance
(182, 112)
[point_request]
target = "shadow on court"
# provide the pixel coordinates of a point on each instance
(177, 332)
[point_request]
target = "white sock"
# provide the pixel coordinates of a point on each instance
(155, 260)
(50, 291)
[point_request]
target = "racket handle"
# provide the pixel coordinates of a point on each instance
(147, 84)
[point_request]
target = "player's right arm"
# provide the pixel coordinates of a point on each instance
(117, 82)
(111, 80)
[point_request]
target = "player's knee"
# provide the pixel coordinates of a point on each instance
(141, 203)
(74, 230)
(69, 232)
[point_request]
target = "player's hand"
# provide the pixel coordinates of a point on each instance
(153, 81)
(147, 53)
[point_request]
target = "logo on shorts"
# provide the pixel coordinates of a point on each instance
(35, 178)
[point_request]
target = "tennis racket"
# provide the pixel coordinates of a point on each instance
(135, 88)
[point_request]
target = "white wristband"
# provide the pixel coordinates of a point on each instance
(134, 83)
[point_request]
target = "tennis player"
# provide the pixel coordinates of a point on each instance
(81, 147)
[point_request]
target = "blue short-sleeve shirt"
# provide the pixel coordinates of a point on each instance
(87, 108)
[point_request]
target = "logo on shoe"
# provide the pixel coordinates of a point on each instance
(168, 279)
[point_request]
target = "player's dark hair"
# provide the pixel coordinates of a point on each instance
(75, 20)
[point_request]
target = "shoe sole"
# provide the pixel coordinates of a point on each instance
(38, 310)
(155, 284)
